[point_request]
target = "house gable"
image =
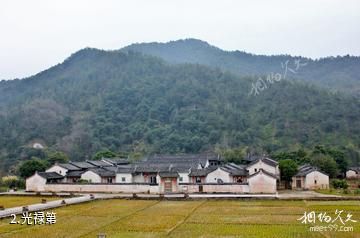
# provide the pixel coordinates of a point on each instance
(91, 176)
(218, 176)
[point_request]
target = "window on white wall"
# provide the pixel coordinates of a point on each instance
(123, 179)
(181, 179)
(153, 180)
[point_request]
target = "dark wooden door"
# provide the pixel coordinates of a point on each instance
(168, 186)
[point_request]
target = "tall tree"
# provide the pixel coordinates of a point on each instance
(29, 167)
(288, 168)
(57, 157)
(326, 164)
(104, 154)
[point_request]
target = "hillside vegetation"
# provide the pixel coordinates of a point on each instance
(127, 101)
(341, 73)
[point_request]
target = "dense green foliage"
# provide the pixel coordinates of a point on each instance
(339, 183)
(326, 164)
(330, 160)
(335, 73)
(57, 157)
(97, 100)
(337, 155)
(29, 167)
(104, 154)
(11, 182)
(288, 168)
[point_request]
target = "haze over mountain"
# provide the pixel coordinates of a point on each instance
(341, 73)
(128, 101)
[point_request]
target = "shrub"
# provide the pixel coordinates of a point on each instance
(338, 183)
(83, 181)
(12, 182)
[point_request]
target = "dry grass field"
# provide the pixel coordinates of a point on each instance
(16, 201)
(202, 218)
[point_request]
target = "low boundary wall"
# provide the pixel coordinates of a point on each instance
(140, 188)
(214, 188)
(101, 188)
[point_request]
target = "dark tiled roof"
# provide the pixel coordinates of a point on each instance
(306, 169)
(147, 169)
(234, 169)
(69, 166)
(75, 173)
(168, 174)
(201, 172)
(50, 175)
(98, 163)
(265, 160)
(116, 161)
(110, 168)
(356, 169)
(83, 165)
(185, 158)
(125, 169)
(150, 166)
(264, 172)
(103, 172)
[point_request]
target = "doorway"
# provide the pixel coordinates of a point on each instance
(167, 186)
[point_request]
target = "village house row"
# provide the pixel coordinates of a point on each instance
(172, 174)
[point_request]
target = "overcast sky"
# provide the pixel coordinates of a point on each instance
(37, 34)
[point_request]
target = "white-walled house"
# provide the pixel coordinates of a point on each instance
(353, 173)
(123, 177)
(99, 175)
(160, 174)
(38, 181)
(309, 177)
(262, 182)
(62, 169)
(265, 164)
(91, 177)
(184, 176)
(218, 175)
(228, 173)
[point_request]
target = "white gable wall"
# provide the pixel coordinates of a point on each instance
(262, 183)
(185, 178)
(127, 176)
(35, 183)
(352, 174)
(91, 177)
(261, 165)
(58, 169)
(218, 174)
(315, 180)
(139, 178)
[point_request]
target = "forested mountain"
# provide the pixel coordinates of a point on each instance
(334, 73)
(127, 101)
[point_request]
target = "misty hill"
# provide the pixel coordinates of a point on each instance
(335, 73)
(130, 102)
